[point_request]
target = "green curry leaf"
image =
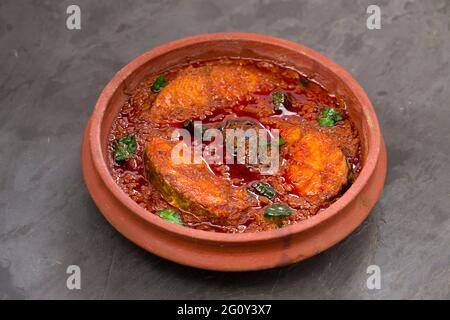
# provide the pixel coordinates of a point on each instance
(280, 100)
(124, 147)
(326, 122)
(170, 215)
(304, 81)
(277, 210)
(158, 84)
(329, 117)
(264, 189)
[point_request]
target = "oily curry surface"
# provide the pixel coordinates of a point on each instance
(318, 146)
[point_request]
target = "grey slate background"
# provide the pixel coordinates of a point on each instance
(50, 78)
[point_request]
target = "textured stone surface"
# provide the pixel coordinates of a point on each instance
(50, 78)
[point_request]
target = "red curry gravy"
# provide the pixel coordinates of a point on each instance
(320, 153)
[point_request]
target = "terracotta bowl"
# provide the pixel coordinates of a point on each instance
(234, 252)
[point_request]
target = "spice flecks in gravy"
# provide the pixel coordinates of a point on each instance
(319, 146)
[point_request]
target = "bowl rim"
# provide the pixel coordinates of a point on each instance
(102, 168)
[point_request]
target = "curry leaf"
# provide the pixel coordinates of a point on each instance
(158, 84)
(304, 81)
(264, 189)
(277, 210)
(124, 147)
(280, 100)
(170, 215)
(329, 117)
(326, 122)
(332, 113)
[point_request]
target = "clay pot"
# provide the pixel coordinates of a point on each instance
(234, 252)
